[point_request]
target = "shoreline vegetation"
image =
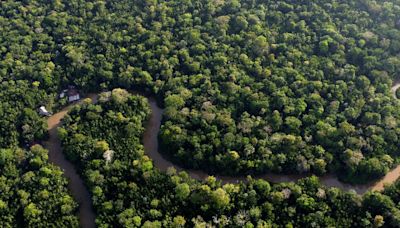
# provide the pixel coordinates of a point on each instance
(85, 117)
(151, 149)
(245, 87)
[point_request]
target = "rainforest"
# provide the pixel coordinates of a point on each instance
(207, 113)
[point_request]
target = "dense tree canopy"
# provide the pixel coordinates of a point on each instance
(248, 86)
(128, 191)
(20, 123)
(33, 192)
(284, 86)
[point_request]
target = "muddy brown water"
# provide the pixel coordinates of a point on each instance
(150, 142)
(395, 88)
(75, 183)
(151, 147)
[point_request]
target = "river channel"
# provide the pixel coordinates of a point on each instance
(151, 146)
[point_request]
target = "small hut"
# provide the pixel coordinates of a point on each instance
(73, 94)
(62, 94)
(43, 111)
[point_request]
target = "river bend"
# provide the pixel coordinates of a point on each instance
(151, 147)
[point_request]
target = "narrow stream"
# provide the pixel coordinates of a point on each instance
(75, 183)
(151, 147)
(150, 142)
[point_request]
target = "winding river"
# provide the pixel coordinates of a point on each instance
(150, 142)
(75, 183)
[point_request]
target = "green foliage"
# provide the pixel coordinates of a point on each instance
(252, 69)
(182, 191)
(248, 87)
(33, 194)
(130, 192)
(20, 123)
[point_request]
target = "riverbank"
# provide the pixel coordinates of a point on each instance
(75, 183)
(151, 147)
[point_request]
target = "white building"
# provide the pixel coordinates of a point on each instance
(62, 94)
(43, 111)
